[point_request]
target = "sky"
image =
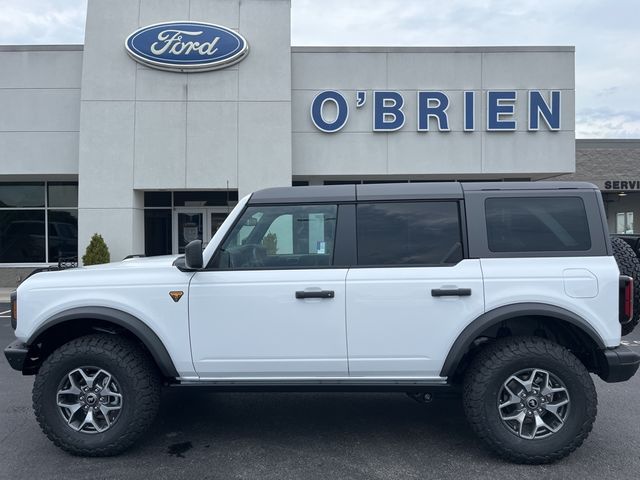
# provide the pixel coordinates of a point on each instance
(605, 33)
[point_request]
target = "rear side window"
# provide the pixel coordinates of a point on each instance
(537, 224)
(408, 233)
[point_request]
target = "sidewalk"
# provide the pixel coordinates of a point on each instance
(4, 294)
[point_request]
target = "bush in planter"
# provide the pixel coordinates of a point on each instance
(97, 251)
(270, 243)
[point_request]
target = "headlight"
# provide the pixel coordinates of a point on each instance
(14, 310)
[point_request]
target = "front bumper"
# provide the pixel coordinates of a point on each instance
(16, 354)
(619, 364)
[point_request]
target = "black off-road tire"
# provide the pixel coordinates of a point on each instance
(628, 264)
(136, 374)
(494, 365)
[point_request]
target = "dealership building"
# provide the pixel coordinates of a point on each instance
(172, 110)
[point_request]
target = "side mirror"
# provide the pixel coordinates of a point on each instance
(193, 255)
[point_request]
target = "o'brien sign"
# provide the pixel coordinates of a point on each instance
(186, 46)
(389, 116)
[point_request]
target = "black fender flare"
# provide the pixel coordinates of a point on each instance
(122, 319)
(500, 314)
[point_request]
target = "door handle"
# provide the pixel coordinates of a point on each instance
(450, 292)
(315, 294)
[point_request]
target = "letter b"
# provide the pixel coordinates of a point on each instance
(387, 111)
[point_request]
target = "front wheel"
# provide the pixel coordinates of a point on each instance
(95, 395)
(529, 399)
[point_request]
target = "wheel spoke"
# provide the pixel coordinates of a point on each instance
(554, 407)
(519, 417)
(540, 423)
(513, 398)
(545, 382)
(70, 391)
(73, 389)
(104, 383)
(71, 418)
(527, 385)
(72, 407)
(89, 420)
(105, 410)
(88, 380)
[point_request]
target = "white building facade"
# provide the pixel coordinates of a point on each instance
(95, 140)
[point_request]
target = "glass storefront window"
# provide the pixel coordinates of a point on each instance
(157, 199)
(205, 198)
(172, 219)
(22, 236)
(14, 195)
(621, 210)
(62, 194)
(624, 222)
(190, 228)
(62, 234)
(157, 232)
(33, 232)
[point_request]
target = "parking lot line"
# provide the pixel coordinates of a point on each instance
(2, 313)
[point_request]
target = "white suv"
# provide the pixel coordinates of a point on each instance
(506, 291)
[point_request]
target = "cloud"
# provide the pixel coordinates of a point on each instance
(604, 33)
(608, 123)
(42, 21)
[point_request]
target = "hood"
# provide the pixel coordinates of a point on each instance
(133, 271)
(136, 262)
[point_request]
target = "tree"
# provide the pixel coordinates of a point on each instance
(97, 251)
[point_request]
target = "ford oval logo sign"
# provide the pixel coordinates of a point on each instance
(186, 46)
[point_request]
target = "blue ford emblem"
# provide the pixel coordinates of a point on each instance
(186, 46)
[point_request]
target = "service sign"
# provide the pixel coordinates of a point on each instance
(186, 46)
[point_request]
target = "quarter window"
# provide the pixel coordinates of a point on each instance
(532, 224)
(288, 236)
(416, 233)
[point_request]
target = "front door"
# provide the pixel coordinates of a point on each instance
(269, 304)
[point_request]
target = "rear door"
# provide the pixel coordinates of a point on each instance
(412, 291)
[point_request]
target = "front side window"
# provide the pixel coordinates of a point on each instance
(409, 233)
(287, 236)
(537, 224)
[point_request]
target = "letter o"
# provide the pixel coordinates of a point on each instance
(317, 107)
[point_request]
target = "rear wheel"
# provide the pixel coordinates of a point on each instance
(529, 399)
(96, 395)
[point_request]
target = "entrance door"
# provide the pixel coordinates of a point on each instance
(192, 223)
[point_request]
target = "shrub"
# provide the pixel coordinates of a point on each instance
(97, 251)
(270, 243)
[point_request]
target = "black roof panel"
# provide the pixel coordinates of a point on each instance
(409, 191)
(399, 191)
(311, 194)
(551, 185)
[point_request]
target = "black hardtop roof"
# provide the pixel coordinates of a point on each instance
(399, 191)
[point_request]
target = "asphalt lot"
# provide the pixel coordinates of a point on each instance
(201, 435)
